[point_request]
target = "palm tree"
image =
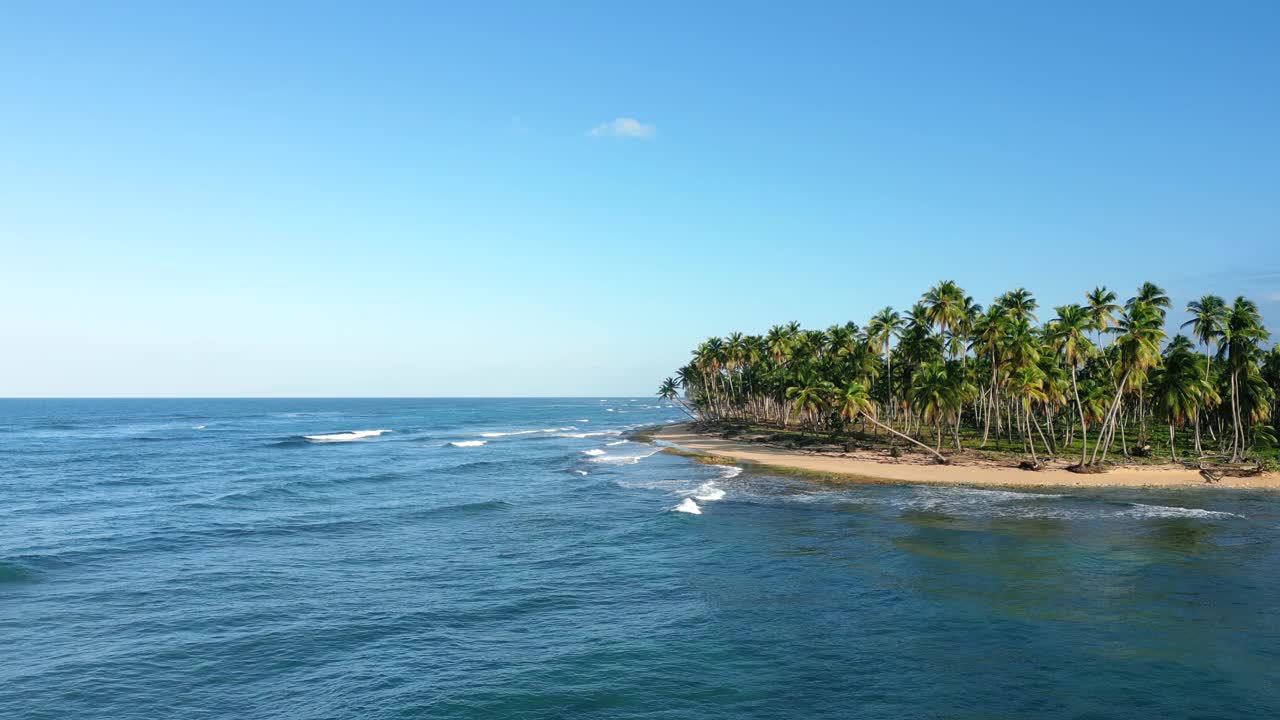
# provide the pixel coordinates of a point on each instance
(1019, 304)
(1028, 383)
(1141, 328)
(1152, 295)
(884, 326)
(669, 390)
(1180, 388)
(1242, 336)
(934, 396)
(1069, 334)
(1208, 314)
(1102, 309)
(944, 305)
(810, 400)
(1030, 374)
(988, 340)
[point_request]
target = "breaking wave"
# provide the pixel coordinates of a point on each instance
(526, 432)
(600, 433)
(687, 506)
(345, 436)
(467, 443)
(601, 457)
(708, 492)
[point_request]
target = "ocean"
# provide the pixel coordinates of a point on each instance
(300, 559)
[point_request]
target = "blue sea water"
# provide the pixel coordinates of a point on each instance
(516, 559)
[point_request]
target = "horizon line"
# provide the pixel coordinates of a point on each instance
(314, 397)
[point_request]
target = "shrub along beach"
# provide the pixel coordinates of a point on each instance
(1099, 387)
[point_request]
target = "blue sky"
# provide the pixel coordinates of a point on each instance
(562, 199)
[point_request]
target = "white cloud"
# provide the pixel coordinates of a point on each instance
(624, 127)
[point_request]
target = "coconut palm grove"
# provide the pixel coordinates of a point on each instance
(1098, 382)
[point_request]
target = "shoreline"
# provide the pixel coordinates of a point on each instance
(877, 467)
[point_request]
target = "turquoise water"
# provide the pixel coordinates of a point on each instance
(205, 559)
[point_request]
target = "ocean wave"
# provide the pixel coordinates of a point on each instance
(582, 420)
(623, 459)
(708, 492)
(197, 427)
(729, 472)
(601, 433)
(467, 443)
(1163, 511)
(594, 452)
(581, 472)
(526, 432)
(345, 436)
(13, 573)
(462, 508)
(617, 442)
(977, 502)
(687, 506)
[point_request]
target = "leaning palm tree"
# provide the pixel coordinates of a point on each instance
(854, 401)
(1069, 334)
(668, 390)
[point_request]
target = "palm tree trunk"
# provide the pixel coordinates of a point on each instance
(1031, 441)
(992, 405)
(1084, 429)
(908, 438)
(1109, 420)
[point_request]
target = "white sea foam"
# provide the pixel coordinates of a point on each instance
(1161, 511)
(617, 442)
(601, 457)
(728, 472)
(583, 420)
(593, 452)
(198, 427)
(581, 472)
(688, 506)
(467, 443)
(1005, 503)
(602, 433)
(346, 436)
(526, 432)
(708, 492)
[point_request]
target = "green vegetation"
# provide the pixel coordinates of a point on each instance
(1096, 380)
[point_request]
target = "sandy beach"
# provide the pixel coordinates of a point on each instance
(878, 466)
